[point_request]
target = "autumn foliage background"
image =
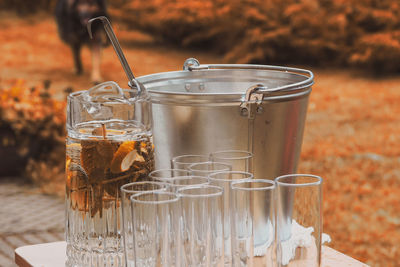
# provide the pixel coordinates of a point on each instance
(361, 33)
(352, 131)
(358, 33)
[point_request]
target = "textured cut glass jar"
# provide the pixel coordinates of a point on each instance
(109, 144)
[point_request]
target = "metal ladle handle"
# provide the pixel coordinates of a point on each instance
(133, 83)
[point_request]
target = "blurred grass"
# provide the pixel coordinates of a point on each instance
(352, 140)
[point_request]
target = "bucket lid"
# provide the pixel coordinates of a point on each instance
(229, 82)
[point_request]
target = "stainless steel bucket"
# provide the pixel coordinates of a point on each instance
(206, 108)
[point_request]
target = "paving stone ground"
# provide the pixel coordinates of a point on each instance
(27, 217)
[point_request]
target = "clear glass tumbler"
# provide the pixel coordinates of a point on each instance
(159, 174)
(127, 191)
(203, 236)
(208, 167)
(183, 181)
(224, 179)
(240, 160)
(253, 235)
(156, 222)
(184, 161)
(299, 220)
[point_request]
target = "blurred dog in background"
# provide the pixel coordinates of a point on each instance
(72, 17)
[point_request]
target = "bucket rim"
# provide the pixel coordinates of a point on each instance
(307, 82)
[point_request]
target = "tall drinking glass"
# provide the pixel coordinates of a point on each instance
(184, 181)
(206, 168)
(253, 240)
(224, 179)
(299, 220)
(156, 221)
(127, 191)
(109, 144)
(161, 174)
(240, 160)
(203, 236)
(184, 161)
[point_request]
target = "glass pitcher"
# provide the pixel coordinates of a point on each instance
(109, 144)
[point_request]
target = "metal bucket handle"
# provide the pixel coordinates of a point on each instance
(193, 64)
(254, 94)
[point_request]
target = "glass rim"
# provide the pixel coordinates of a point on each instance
(167, 169)
(155, 202)
(123, 187)
(250, 176)
(175, 159)
(172, 184)
(247, 154)
(202, 186)
(318, 180)
(209, 163)
(272, 185)
(186, 177)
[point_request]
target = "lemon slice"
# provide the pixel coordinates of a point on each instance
(124, 157)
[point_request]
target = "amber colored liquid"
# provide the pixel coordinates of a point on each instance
(93, 204)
